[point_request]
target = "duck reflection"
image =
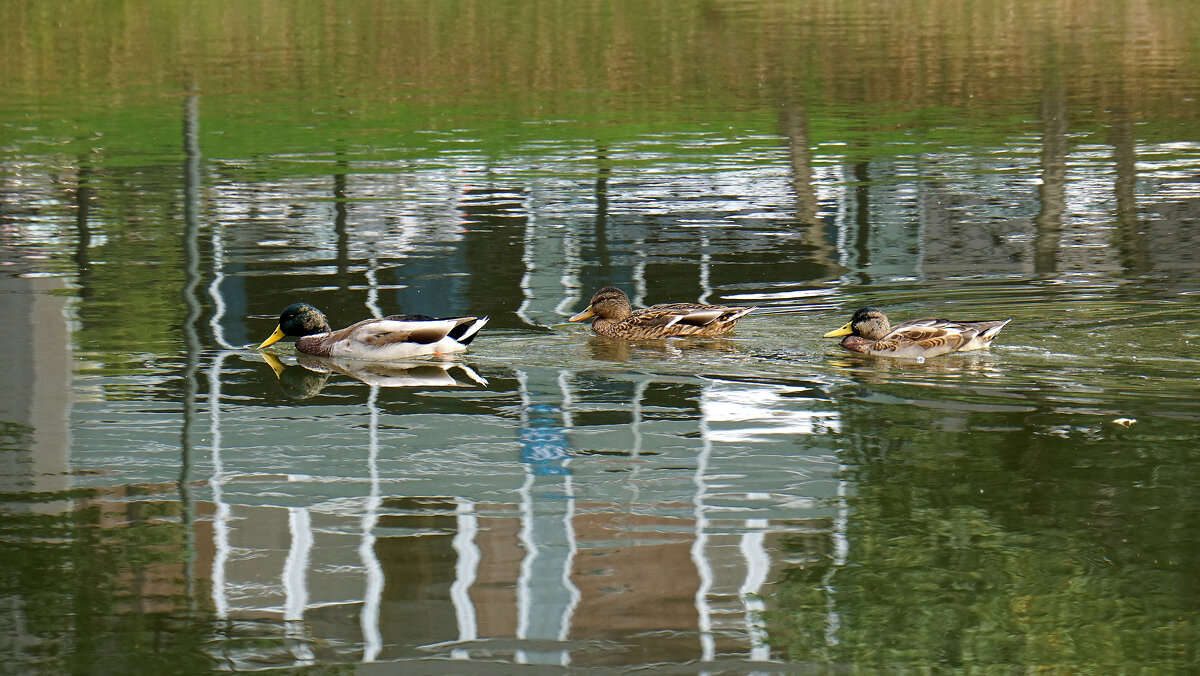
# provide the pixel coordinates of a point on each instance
(310, 374)
(875, 371)
(609, 349)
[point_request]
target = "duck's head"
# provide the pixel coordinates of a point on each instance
(298, 319)
(867, 322)
(608, 303)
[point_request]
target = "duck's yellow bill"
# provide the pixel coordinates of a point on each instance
(583, 315)
(844, 331)
(273, 339)
(273, 361)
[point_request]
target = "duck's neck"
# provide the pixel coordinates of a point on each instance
(874, 330)
(617, 312)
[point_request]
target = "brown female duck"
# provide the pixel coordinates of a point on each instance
(616, 318)
(869, 332)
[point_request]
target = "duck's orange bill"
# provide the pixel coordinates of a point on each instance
(583, 315)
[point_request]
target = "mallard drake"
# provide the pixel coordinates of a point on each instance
(869, 332)
(386, 339)
(616, 318)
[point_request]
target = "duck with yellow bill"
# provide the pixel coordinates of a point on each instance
(870, 332)
(386, 339)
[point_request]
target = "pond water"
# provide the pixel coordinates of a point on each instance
(172, 176)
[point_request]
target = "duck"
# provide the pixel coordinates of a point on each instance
(615, 318)
(387, 339)
(869, 332)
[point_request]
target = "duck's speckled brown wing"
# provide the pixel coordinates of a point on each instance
(675, 319)
(985, 331)
(695, 315)
(933, 337)
(918, 340)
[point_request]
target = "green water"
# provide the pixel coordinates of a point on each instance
(172, 176)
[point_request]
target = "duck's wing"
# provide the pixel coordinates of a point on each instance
(931, 337)
(689, 314)
(433, 329)
(416, 329)
(924, 338)
(985, 331)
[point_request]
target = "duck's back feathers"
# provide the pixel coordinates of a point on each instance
(933, 337)
(699, 315)
(985, 331)
(920, 338)
(425, 329)
(395, 337)
(667, 321)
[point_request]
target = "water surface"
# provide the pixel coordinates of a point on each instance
(172, 177)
